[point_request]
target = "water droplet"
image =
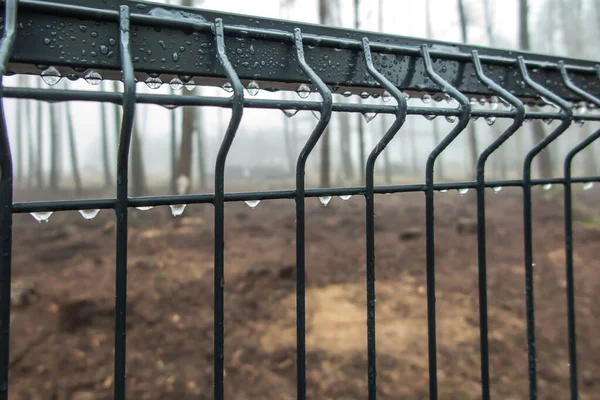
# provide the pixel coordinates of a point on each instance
(386, 96)
(444, 191)
(227, 87)
(190, 85)
(316, 114)
(144, 208)
(527, 120)
(51, 76)
(473, 101)
(304, 91)
(430, 117)
(406, 96)
(490, 120)
(42, 216)
(93, 78)
(252, 88)
(463, 191)
(346, 197)
(588, 185)
(252, 203)
(364, 95)
(494, 102)
(496, 189)
(505, 103)
(545, 100)
(547, 121)
(426, 98)
(325, 200)
(547, 186)
(175, 56)
(89, 214)
(369, 116)
(482, 101)
(290, 113)
(438, 98)
(582, 108)
(176, 84)
(579, 122)
(450, 118)
(153, 82)
(103, 49)
(177, 209)
(345, 94)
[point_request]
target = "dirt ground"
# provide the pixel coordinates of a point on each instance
(62, 333)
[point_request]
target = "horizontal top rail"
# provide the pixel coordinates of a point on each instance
(167, 41)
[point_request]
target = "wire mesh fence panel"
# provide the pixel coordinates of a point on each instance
(246, 54)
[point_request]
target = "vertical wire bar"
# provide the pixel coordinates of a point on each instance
(237, 109)
(481, 234)
(326, 110)
(568, 207)
(401, 111)
(128, 104)
(527, 217)
(463, 120)
(6, 199)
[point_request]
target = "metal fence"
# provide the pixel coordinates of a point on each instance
(284, 56)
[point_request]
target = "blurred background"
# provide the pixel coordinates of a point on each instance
(62, 318)
(72, 146)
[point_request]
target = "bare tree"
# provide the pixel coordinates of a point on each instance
(137, 170)
(19, 136)
(72, 149)
(30, 145)
(40, 145)
(572, 14)
(359, 119)
(55, 148)
(202, 184)
(344, 123)
(324, 19)
(472, 133)
(108, 182)
(386, 153)
(439, 171)
(545, 157)
(188, 127)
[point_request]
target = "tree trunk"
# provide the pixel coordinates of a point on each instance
(346, 147)
(359, 118)
(173, 129)
(202, 184)
(439, 171)
(73, 150)
(386, 153)
(415, 149)
(472, 134)
(40, 146)
(544, 159)
(116, 116)
(30, 145)
(184, 167)
(138, 174)
(325, 165)
(20, 117)
(108, 181)
(55, 148)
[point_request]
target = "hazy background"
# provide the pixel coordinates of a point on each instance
(268, 142)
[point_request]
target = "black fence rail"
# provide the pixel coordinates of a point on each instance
(286, 55)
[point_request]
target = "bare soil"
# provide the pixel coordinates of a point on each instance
(62, 334)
